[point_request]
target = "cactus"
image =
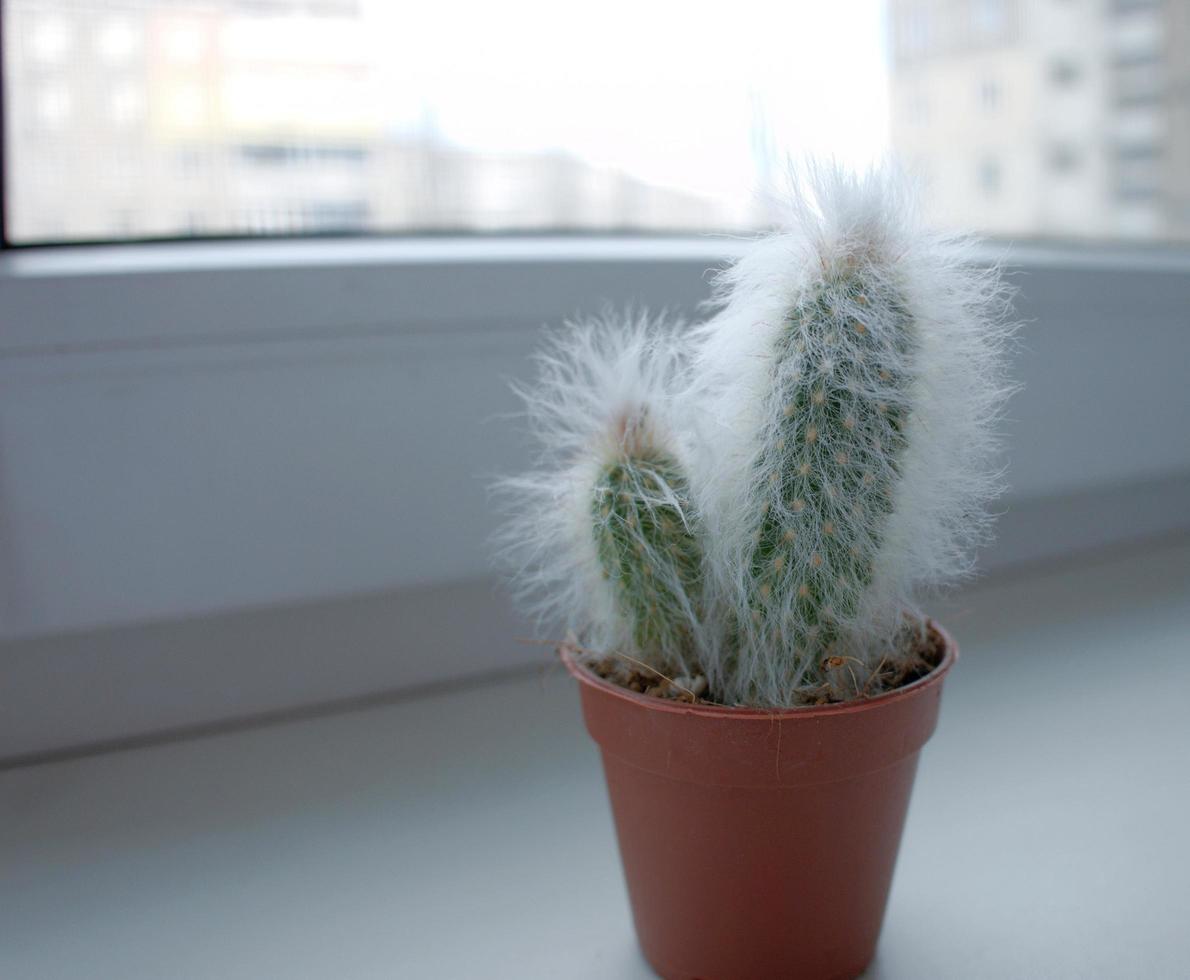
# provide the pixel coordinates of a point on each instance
(841, 370)
(647, 549)
(843, 396)
(854, 368)
(602, 539)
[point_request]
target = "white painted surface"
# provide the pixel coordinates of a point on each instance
(94, 686)
(184, 438)
(241, 478)
(468, 834)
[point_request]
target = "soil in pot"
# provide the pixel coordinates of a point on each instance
(923, 655)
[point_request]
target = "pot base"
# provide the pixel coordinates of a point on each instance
(735, 883)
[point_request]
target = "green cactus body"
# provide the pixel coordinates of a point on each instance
(841, 390)
(648, 551)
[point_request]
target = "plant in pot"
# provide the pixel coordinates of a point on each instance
(735, 525)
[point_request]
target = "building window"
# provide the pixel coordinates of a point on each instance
(1064, 72)
(1137, 171)
(1138, 81)
(117, 41)
(50, 40)
(989, 19)
(1133, 6)
(1136, 192)
(184, 42)
(1063, 159)
(1127, 152)
(1135, 99)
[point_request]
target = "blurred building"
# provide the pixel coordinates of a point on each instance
(146, 118)
(1046, 117)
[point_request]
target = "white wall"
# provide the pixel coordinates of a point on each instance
(176, 443)
(221, 443)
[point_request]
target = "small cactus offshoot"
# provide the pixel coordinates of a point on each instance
(647, 548)
(602, 538)
(835, 458)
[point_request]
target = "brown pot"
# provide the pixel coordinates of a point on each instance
(759, 843)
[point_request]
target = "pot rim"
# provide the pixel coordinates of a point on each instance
(584, 675)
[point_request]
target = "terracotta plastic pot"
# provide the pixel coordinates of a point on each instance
(759, 843)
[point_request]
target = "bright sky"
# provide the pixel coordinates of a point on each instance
(665, 91)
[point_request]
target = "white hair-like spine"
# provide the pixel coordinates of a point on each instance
(600, 538)
(850, 380)
(765, 502)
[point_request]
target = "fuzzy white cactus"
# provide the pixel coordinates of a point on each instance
(834, 459)
(601, 538)
(853, 372)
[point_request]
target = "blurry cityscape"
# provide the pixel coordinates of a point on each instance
(179, 118)
(1047, 117)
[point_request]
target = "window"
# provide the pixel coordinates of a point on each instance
(1064, 72)
(1137, 172)
(988, 18)
(1138, 81)
(138, 119)
(1134, 6)
(1063, 158)
(302, 116)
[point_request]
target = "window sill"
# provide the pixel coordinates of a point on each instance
(86, 299)
(468, 834)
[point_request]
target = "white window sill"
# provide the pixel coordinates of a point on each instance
(92, 299)
(306, 253)
(468, 834)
